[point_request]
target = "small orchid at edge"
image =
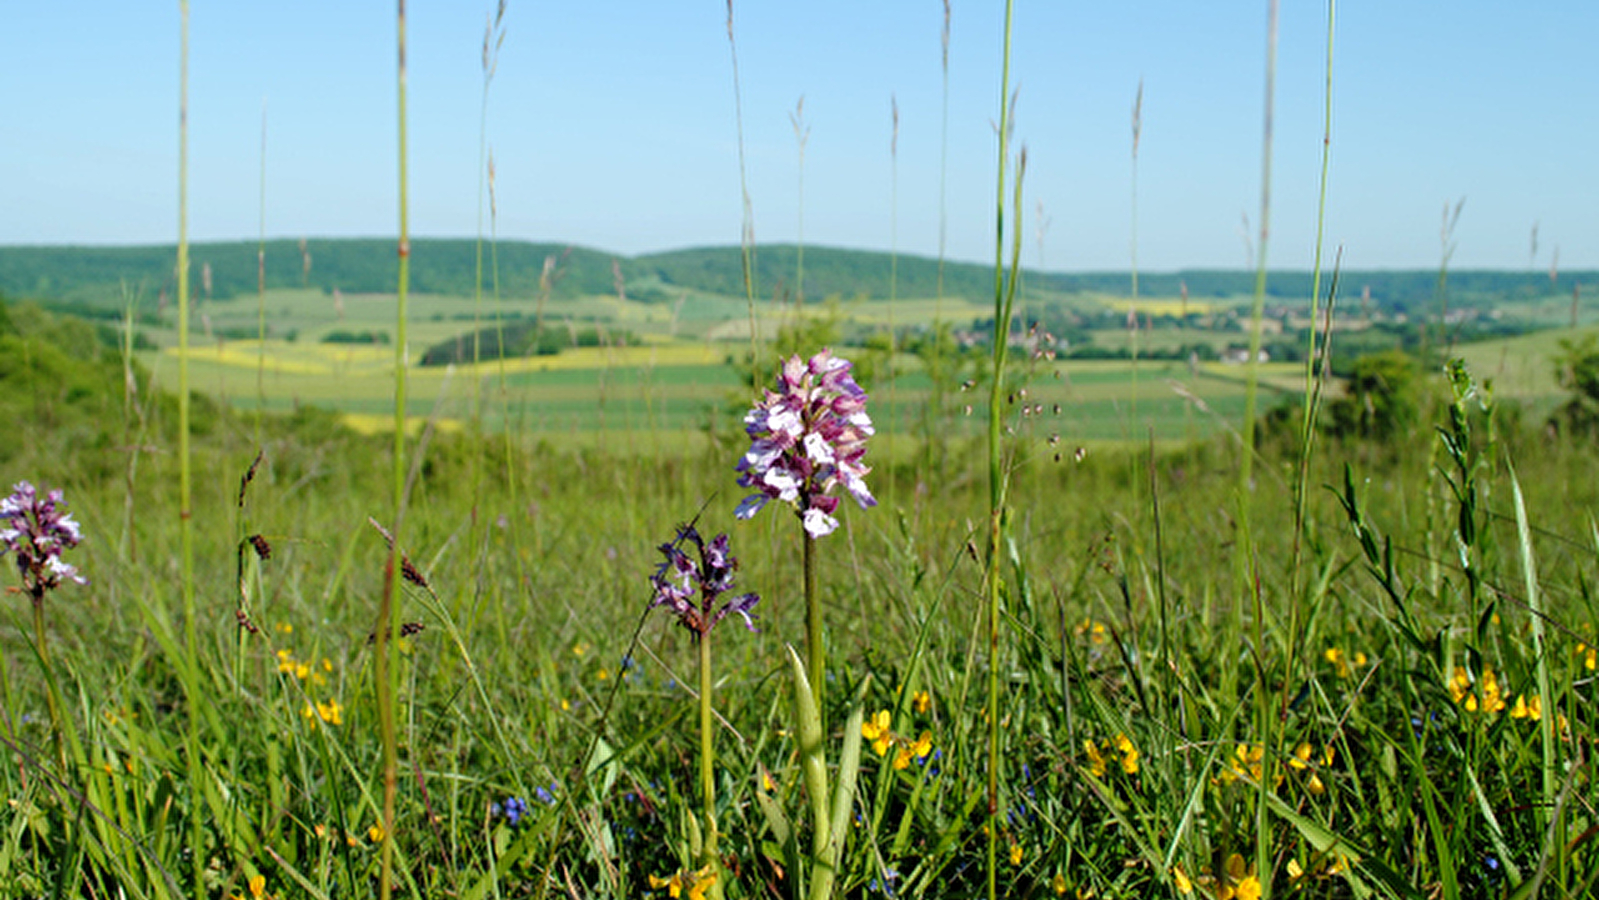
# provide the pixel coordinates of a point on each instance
(806, 437)
(679, 579)
(693, 591)
(36, 531)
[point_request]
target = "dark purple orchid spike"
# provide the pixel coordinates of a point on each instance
(36, 532)
(691, 590)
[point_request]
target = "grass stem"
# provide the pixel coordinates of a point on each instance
(1004, 292)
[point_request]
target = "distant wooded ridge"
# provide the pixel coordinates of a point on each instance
(96, 275)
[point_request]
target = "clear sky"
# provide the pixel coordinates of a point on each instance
(612, 125)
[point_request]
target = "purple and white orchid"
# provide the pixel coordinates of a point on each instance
(807, 437)
(37, 532)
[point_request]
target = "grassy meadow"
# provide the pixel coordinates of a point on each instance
(1372, 730)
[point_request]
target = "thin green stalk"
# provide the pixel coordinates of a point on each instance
(386, 671)
(1257, 308)
(709, 855)
(893, 292)
(1003, 295)
(51, 699)
(816, 654)
(1132, 311)
(1245, 567)
(490, 62)
(1307, 430)
(260, 289)
(185, 479)
(746, 235)
(943, 165)
(1551, 766)
(802, 135)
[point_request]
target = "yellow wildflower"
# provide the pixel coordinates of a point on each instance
(1180, 879)
(923, 745)
(1489, 699)
(1247, 760)
(1015, 854)
(1343, 663)
(375, 833)
(876, 730)
(696, 883)
(257, 886)
(1094, 630)
(1241, 880)
(1590, 656)
(1300, 760)
(331, 712)
(1301, 757)
(673, 885)
(921, 702)
(1527, 709)
(1096, 762)
(1129, 754)
(703, 879)
(1492, 699)
(1058, 883)
(913, 750)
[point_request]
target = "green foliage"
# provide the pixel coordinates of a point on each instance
(94, 277)
(1577, 371)
(1382, 398)
(1120, 627)
(803, 336)
(365, 336)
(524, 338)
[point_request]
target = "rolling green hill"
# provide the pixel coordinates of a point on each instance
(89, 277)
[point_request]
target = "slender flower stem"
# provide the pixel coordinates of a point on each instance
(815, 651)
(709, 856)
(1307, 430)
(49, 677)
(1003, 293)
(746, 234)
(185, 490)
(386, 674)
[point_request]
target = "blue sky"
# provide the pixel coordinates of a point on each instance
(612, 126)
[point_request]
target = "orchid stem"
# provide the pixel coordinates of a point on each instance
(708, 856)
(49, 677)
(816, 655)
